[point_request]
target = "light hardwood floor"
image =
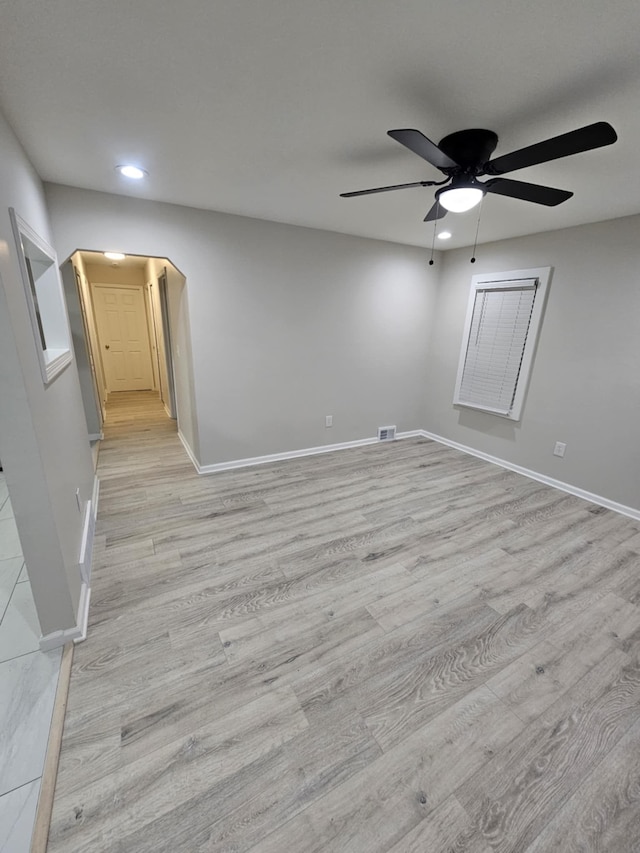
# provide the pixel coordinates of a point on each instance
(390, 649)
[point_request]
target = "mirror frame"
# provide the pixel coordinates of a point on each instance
(55, 321)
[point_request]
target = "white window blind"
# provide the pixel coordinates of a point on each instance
(502, 324)
(498, 334)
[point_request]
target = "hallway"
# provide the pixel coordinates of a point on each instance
(374, 650)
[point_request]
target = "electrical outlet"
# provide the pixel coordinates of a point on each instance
(328, 420)
(559, 449)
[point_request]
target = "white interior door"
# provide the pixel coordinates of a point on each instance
(124, 337)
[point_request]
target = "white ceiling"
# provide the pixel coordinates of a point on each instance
(271, 109)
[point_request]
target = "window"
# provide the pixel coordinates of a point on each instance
(503, 320)
(45, 299)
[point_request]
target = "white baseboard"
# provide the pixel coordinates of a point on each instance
(96, 436)
(83, 613)
(88, 533)
(629, 511)
(290, 454)
(95, 495)
(59, 638)
(190, 452)
(79, 631)
(76, 634)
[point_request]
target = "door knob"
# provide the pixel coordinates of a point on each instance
(106, 346)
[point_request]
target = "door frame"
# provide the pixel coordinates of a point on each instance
(168, 344)
(158, 325)
(89, 342)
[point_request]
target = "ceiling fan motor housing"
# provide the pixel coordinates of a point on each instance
(471, 148)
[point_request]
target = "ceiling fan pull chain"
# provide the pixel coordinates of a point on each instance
(435, 224)
(475, 242)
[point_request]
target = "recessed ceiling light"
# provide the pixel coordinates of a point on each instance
(133, 172)
(114, 256)
(444, 235)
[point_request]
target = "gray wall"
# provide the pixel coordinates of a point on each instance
(88, 389)
(585, 383)
(182, 355)
(43, 432)
(179, 338)
(287, 324)
(290, 324)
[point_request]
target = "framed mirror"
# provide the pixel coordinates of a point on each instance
(45, 298)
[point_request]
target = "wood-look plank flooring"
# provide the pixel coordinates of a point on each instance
(391, 649)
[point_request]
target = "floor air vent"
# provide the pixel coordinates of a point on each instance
(386, 433)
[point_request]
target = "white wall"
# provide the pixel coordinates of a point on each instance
(585, 383)
(287, 324)
(43, 432)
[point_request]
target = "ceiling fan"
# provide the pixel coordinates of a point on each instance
(463, 157)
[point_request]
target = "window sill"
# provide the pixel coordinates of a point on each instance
(55, 361)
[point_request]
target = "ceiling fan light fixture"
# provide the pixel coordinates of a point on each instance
(458, 199)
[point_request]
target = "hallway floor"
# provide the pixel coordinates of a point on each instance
(389, 649)
(28, 681)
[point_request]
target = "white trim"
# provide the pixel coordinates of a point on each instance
(290, 454)
(168, 411)
(83, 613)
(55, 360)
(96, 436)
(88, 533)
(281, 457)
(55, 323)
(629, 511)
(86, 546)
(190, 452)
(95, 496)
(76, 634)
(79, 632)
(60, 638)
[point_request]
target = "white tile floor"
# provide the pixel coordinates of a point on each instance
(28, 681)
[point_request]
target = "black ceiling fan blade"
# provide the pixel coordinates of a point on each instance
(436, 212)
(423, 147)
(584, 139)
(527, 192)
(386, 189)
